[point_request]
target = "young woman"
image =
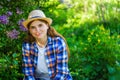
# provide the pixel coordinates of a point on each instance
(45, 52)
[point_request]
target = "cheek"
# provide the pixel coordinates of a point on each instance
(46, 30)
(32, 33)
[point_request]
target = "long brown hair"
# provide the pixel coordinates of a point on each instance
(51, 32)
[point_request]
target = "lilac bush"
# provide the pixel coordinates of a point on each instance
(18, 11)
(13, 34)
(22, 28)
(9, 13)
(4, 19)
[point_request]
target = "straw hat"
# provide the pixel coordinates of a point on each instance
(35, 15)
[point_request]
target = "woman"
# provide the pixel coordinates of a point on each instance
(45, 52)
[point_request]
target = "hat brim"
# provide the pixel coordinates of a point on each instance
(26, 22)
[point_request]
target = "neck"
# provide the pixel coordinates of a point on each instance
(42, 42)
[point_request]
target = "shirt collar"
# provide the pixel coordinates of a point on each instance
(49, 39)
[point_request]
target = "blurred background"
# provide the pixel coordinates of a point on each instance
(91, 28)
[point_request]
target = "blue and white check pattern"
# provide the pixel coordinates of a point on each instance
(56, 59)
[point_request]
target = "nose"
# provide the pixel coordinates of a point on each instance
(38, 29)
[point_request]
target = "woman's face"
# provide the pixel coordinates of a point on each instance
(38, 29)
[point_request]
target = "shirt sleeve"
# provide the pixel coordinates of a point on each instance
(62, 61)
(27, 63)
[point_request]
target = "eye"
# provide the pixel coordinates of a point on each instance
(40, 25)
(32, 27)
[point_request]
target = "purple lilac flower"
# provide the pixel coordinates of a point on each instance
(22, 28)
(13, 34)
(18, 11)
(9, 13)
(4, 19)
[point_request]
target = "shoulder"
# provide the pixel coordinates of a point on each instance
(58, 39)
(26, 45)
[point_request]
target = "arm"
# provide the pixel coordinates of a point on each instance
(62, 61)
(27, 64)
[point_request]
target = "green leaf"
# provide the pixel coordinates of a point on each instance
(2, 60)
(111, 69)
(14, 55)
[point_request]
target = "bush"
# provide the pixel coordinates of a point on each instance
(96, 54)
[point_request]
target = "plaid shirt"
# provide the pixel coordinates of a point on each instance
(56, 59)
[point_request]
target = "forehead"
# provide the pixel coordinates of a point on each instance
(37, 22)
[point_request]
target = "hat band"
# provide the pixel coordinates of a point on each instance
(36, 17)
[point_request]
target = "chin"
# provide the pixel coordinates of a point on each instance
(40, 37)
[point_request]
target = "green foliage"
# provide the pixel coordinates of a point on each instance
(10, 65)
(98, 53)
(95, 52)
